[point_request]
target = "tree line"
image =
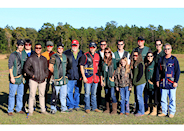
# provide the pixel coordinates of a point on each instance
(65, 33)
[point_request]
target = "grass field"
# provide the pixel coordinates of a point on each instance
(81, 117)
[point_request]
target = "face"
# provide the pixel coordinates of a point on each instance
(135, 56)
(123, 63)
(167, 50)
(20, 48)
(120, 45)
(75, 47)
(103, 45)
(158, 45)
(140, 43)
(107, 53)
(150, 57)
(92, 49)
(38, 49)
(60, 49)
(49, 48)
(27, 46)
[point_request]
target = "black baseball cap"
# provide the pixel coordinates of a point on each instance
(140, 38)
(60, 44)
(20, 42)
(92, 44)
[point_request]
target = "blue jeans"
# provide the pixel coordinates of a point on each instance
(62, 90)
(148, 95)
(73, 99)
(11, 101)
(90, 88)
(172, 100)
(110, 93)
(139, 98)
(124, 93)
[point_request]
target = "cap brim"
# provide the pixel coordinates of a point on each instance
(74, 44)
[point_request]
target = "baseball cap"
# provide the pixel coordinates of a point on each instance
(20, 42)
(75, 42)
(140, 38)
(92, 44)
(49, 43)
(60, 44)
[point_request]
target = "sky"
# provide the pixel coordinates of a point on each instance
(91, 16)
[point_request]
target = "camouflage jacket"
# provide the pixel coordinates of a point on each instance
(122, 80)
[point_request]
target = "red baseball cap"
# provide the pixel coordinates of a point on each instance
(75, 42)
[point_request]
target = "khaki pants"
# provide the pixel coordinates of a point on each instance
(41, 89)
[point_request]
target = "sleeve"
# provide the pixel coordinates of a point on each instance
(130, 80)
(27, 67)
(11, 60)
(157, 70)
(83, 60)
(116, 78)
(140, 74)
(176, 70)
(46, 69)
(52, 60)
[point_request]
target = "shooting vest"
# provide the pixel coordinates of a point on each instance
(91, 67)
(167, 73)
(117, 57)
(18, 67)
(149, 76)
(59, 73)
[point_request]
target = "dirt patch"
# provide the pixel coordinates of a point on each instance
(178, 55)
(3, 56)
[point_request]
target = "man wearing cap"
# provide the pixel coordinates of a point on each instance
(143, 50)
(15, 64)
(73, 73)
(57, 65)
(89, 69)
(47, 54)
(36, 68)
(28, 50)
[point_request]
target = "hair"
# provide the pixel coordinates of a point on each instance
(28, 41)
(167, 44)
(146, 63)
(119, 41)
(158, 40)
(139, 59)
(38, 44)
(102, 41)
(126, 66)
(108, 61)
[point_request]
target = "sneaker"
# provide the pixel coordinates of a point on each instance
(25, 110)
(70, 110)
(21, 112)
(10, 113)
(171, 116)
(162, 114)
(121, 114)
(97, 110)
(127, 113)
(137, 115)
(45, 113)
(53, 111)
(87, 111)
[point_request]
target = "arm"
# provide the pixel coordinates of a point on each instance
(177, 73)
(27, 67)
(157, 72)
(83, 75)
(10, 66)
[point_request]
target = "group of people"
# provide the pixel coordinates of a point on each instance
(155, 75)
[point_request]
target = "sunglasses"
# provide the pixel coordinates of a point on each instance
(60, 47)
(158, 44)
(27, 44)
(103, 44)
(149, 56)
(38, 48)
(49, 46)
(167, 48)
(92, 47)
(107, 52)
(120, 44)
(140, 40)
(135, 55)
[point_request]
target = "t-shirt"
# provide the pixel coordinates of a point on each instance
(121, 55)
(28, 53)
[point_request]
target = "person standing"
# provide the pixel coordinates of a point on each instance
(139, 81)
(157, 54)
(74, 76)
(36, 68)
(28, 50)
(169, 70)
(15, 65)
(57, 65)
(89, 69)
(107, 80)
(47, 54)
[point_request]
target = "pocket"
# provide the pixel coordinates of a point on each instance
(111, 82)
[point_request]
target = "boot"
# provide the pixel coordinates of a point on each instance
(148, 111)
(154, 113)
(114, 108)
(107, 108)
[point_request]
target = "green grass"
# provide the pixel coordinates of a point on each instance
(81, 117)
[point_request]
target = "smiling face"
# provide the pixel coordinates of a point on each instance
(75, 47)
(38, 49)
(103, 45)
(150, 57)
(107, 53)
(135, 56)
(123, 63)
(120, 45)
(20, 48)
(158, 45)
(168, 50)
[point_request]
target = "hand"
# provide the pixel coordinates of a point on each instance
(33, 76)
(102, 84)
(85, 79)
(117, 88)
(175, 84)
(129, 89)
(12, 80)
(112, 77)
(157, 83)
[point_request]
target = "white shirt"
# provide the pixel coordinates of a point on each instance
(121, 55)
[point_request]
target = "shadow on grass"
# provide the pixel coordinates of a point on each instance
(182, 71)
(4, 102)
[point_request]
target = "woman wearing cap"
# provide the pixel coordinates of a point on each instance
(107, 80)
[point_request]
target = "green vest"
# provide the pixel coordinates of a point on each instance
(59, 73)
(18, 67)
(144, 52)
(117, 57)
(149, 76)
(135, 73)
